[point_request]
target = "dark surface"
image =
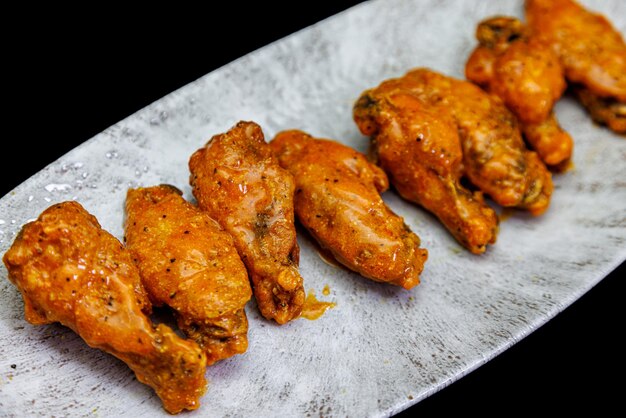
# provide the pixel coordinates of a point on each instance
(68, 92)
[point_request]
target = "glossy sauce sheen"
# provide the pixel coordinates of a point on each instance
(70, 270)
(238, 181)
(338, 201)
(189, 263)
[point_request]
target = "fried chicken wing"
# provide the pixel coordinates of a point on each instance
(495, 158)
(338, 201)
(421, 151)
(186, 261)
(592, 53)
(70, 270)
(527, 75)
(238, 181)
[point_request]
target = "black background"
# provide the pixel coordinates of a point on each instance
(72, 77)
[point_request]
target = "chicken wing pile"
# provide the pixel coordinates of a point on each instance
(447, 128)
(527, 65)
(443, 143)
(527, 75)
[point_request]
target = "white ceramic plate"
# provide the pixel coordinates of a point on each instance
(382, 348)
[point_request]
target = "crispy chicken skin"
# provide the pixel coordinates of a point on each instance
(495, 158)
(338, 201)
(527, 75)
(592, 53)
(70, 270)
(238, 181)
(421, 151)
(186, 261)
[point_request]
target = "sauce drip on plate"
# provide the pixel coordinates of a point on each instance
(314, 308)
(326, 290)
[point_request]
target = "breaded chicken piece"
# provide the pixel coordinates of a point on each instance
(592, 53)
(338, 201)
(186, 261)
(527, 75)
(495, 158)
(70, 270)
(238, 181)
(421, 151)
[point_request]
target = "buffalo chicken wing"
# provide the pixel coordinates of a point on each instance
(70, 270)
(238, 181)
(338, 200)
(189, 263)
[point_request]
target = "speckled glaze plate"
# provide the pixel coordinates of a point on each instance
(382, 348)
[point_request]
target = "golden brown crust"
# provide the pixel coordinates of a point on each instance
(592, 52)
(189, 263)
(527, 75)
(238, 181)
(338, 201)
(70, 270)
